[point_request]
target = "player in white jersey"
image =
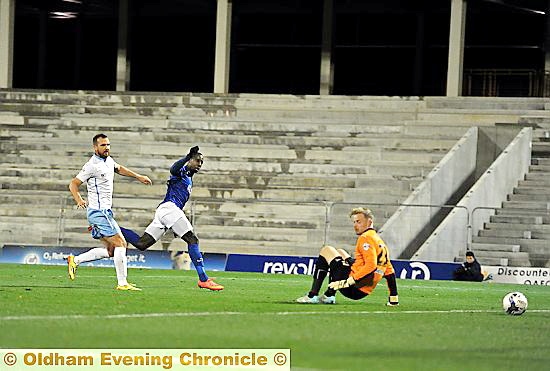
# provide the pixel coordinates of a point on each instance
(98, 174)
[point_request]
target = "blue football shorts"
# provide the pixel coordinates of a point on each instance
(102, 223)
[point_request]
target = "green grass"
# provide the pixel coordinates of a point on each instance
(439, 325)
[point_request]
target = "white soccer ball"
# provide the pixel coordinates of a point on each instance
(514, 303)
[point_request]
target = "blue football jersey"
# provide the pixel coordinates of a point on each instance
(179, 187)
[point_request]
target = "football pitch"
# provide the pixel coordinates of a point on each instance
(439, 325)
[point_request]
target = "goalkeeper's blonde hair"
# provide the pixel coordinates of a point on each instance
(361, 210)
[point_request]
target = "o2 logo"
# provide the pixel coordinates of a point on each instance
(418, 269)
(31, 259)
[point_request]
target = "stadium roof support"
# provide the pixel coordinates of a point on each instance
(327, 65)
(546, 90)
(456, 48)
(7, 17)
(122, 62)
(223, 46)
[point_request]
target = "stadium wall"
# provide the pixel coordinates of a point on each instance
(407, 223)
(490, 190)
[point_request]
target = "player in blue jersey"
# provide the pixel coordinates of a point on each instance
(170, 215)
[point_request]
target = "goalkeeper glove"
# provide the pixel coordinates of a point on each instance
(337, 285)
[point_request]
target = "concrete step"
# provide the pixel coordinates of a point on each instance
(495, 247)
(540, 168)
(11, 118)
(529, 197)
(312, 114)
(541, 149)
(534, 206)
(394, 183)
(43, 221)
(43, 109)
(531, 190)
(303, 193)
(229, 125)
(375, 190)
(278, 221)
(80, 97)
(220, 245)
(506, 233)
(527, 232)
(468, 103)
(514, 213)
(518, 227)
(361, 197)
(474, 117)
(540, 160)
(527, 245)
(289, 235)
(538, 176)
(502, 254)
(45, 198)
(298, 142)
(274, 100)
(535, 260)
(540, 260)
(230, 152)
(293, 214)
(244, 101)
(224, 122)
(542, 182)
(300, 194)
(484, 260)
(534, 120)
(174, 141)
(541, 134)
(262, 127)
(32, 175)
(399, 168)
(513, 219)
(421, 128)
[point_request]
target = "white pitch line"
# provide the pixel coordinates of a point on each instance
(208, 314)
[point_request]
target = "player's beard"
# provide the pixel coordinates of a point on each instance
(103, 155)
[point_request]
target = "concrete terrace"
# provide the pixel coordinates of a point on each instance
(273, 163)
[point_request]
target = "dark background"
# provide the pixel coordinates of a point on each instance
(381, 47)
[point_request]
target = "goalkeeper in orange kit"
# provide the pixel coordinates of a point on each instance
(354, 278)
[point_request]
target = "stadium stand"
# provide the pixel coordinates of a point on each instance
(519, 232)
(275, 165)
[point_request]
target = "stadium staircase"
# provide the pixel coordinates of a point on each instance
(519, 232)
(274, 164)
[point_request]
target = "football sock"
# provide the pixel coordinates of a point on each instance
(130, 235)
(121, 265)
(91, 255)
(196, 258)
(321, 271)
(330, 292)
(392, 284)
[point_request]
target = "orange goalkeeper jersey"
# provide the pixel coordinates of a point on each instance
(372, 261)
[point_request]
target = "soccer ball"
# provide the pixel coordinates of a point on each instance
(514, 303)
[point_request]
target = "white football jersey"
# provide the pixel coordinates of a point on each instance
(98, 174)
